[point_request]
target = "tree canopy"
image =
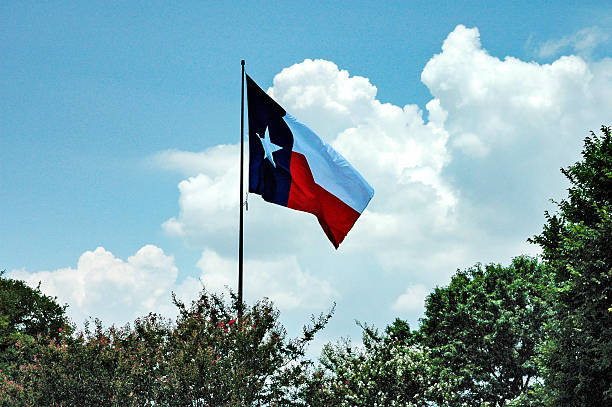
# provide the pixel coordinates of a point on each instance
(482, 331)
(577, 246)
(26, 314)
(27, 311)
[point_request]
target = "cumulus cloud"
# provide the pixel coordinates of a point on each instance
(512, 125)
(499, 103)
(209, 202)
(468, 184)
(397, 152)
(280, 279)
(116, 291)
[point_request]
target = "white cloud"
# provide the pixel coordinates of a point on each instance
(117, 291)
(512, 125)
(207, 203)
(399, 155)
(470, 184)
(412, 300)
(502, 102)
(380, 139)
(582, 43)
(280, 279)
(470, 144)
(215, 161)
(327, 99)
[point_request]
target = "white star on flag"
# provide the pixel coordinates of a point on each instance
(268, 146)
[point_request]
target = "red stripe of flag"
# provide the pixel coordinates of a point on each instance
(336, 217)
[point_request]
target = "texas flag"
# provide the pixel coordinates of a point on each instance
(290, 165)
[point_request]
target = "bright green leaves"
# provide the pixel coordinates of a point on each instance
(482, 331)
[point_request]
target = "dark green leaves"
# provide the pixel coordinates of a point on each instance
(577, 245)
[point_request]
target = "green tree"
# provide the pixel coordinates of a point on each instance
(482, 332)
(26, 314)
(28, 311)
(215, 357)
(577, 246)
(99, 367)
(208, 357)
(390, 369)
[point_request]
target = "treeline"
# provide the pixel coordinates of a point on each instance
(537, 332)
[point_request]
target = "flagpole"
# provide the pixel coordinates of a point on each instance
(240, 241)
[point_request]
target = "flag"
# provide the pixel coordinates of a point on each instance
(290, 165)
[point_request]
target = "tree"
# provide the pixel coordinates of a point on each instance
(25, 314)
(28, 311)
(577, 246)
(476, 346)
(482, 332)
(209, 357)
(215, 357)
(390, 369)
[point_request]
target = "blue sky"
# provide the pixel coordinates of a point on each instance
(106, 107)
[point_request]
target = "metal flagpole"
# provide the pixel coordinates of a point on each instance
(240, 243)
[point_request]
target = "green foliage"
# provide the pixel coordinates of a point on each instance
(27, 311)
(390, 369)
(577, 245)
(208, 357)
(217, 358)
(476, 346)
(482, 331)
(26, 314)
